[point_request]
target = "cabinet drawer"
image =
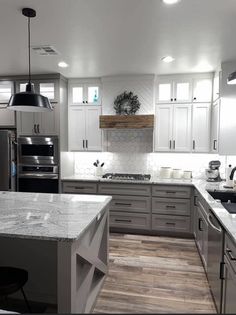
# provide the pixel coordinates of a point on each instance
(170, 223)
(124, 189)
(171, 191)
(230, 251)
(79, 187)
(171, 206)
(132, 204)
(130, 220)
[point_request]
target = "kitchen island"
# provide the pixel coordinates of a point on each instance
(62, 240)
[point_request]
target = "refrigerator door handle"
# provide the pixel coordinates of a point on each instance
(10, 161)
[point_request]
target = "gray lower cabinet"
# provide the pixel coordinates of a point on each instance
(171, 209)
(169, 191)
(229, 282)
(128, 220)
(124, 189)
(76, 187)
(201, 230)
(130, 204)
(170, 223)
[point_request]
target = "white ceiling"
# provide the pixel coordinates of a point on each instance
(106, 37)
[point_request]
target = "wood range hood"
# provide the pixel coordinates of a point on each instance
(126, 121)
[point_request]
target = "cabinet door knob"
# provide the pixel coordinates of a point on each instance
(83, 144)
(35, 131)
(194, 98)
(83, 102)
(86, 102)
(170, 144)
(171, 99)
(214, 145)
(175, 99)
(174, 144)
(38, 128)
(87, 144)
(194, 144)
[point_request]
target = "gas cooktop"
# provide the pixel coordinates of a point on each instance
(120, 176)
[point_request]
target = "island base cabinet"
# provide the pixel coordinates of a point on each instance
(82, 268)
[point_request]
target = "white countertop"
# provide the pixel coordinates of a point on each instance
(58, 217)
(227, 219)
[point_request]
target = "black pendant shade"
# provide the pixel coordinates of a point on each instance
(29, 101)
(232, 78)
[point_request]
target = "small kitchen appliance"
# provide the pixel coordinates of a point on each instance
(213, 172)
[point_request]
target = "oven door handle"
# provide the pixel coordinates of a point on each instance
(37, 175)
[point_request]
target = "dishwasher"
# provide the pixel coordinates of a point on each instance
(215, 259)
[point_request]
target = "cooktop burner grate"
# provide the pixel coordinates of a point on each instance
(121, 176)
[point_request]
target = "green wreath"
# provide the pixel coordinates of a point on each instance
(126, 104)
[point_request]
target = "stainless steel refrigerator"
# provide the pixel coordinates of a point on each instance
(7, 160)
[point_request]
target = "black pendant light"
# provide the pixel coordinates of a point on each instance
(232, 78)
(29, 101)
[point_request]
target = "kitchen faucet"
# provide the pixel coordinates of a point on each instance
(232, 173)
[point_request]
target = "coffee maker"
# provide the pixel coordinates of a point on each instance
(213, 172)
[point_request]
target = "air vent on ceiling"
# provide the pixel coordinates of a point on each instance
(45, 50)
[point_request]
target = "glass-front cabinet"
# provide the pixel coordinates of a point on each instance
(174, 90)
(46, 88)
(84, 94)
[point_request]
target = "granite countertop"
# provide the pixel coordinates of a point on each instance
(57, 217)
(227, 219)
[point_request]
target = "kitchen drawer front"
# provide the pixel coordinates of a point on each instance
(124, 189)
(170, 223)
(171, 191)
(130, 204)
(79, 188)
(130, 220)
(230, 251)
(171, 206)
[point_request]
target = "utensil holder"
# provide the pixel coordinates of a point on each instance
(98, 171)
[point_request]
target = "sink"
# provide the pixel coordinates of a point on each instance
(228, 199)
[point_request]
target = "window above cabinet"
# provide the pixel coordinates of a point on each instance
(6, 90)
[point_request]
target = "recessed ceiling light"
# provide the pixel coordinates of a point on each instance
(168, 59)
(62, 64)
(170, 1)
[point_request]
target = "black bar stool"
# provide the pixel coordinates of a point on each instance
(12, 280)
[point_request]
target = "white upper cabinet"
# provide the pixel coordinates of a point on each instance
(165, 91)
(216, 86)
(7, 117)
(184, 88)
(201, 127)
(174, 90)
(84, 132)
(182, 91)
(84, 93)
(163, 128)
(202, 90)
(182, 128)
(6, 91)
(47, 88)
(173, 128)
(215, 116)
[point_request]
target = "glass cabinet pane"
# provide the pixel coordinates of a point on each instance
(93, 94)
(164, 92)
(77, 95)
(182, 91)
(5, 91)
(202, 90)
(47, 90)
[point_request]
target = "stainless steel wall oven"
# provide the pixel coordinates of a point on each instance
(38, 168)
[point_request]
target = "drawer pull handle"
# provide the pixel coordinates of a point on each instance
(170, 223)
(123, 220)
(170, 207)
(229, 252)
(170, 192)
(123, 204)
(76, 187)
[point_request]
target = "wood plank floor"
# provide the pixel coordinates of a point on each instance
(150, 274)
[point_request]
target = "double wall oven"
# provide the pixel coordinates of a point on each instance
(38, 167)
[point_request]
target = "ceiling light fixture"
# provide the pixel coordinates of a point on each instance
(232, 78)
(62, 64)
(167, 59)
(29, 101)
(170, 1)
